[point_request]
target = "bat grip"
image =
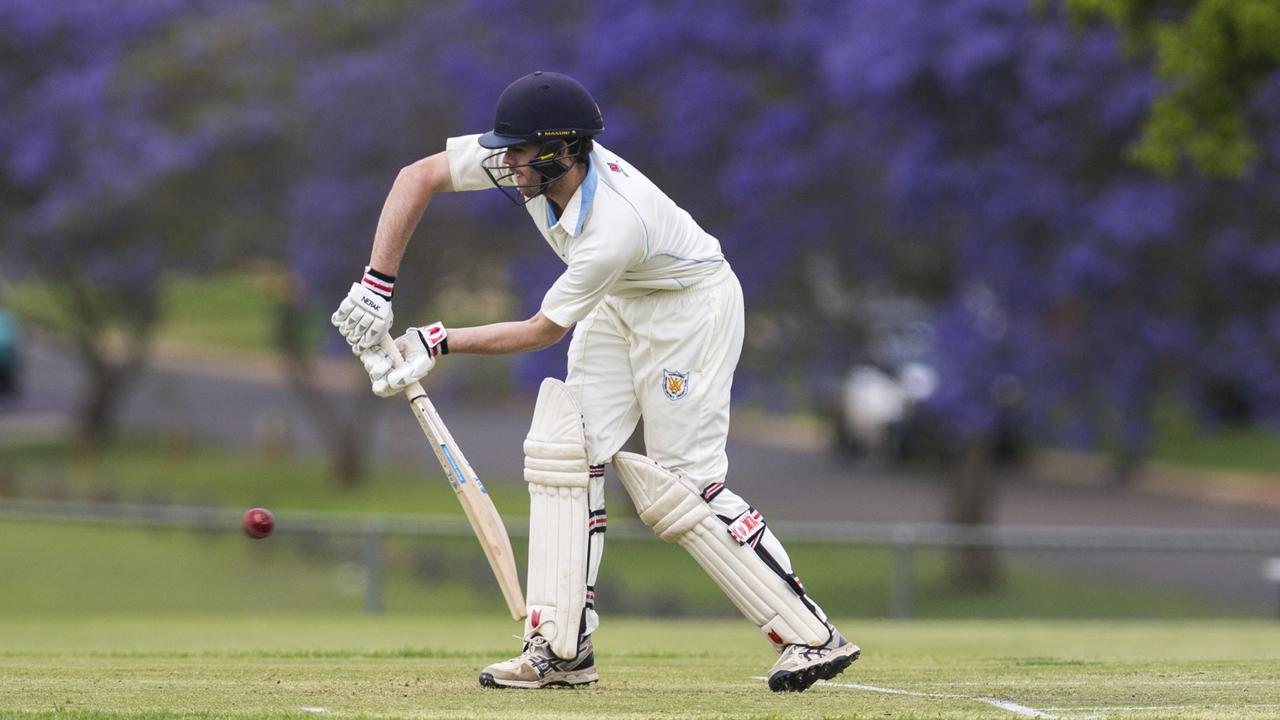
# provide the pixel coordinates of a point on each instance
(412, 390)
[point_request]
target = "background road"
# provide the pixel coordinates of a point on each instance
(780, 471)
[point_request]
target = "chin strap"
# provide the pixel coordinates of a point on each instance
(546, 163)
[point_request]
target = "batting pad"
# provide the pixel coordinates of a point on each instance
(668, 503)
(555, 466)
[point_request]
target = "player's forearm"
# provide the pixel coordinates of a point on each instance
(504, 338)
(403, 210)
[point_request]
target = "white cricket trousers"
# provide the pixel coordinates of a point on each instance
(670, 357)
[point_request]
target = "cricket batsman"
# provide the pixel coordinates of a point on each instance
(657, 319)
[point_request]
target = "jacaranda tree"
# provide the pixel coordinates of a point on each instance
(365, 96)
(973, 154)
(98, 180)
(1082, 288)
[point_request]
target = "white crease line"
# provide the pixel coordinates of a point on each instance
(1030, 712)
(1017, 709)
(1012, 707)
(1086, 683)
(1140, 708)
(313, 709)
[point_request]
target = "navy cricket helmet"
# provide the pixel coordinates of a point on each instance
(549, 109)
(543, 106)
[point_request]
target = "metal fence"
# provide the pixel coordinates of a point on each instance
(904, 539)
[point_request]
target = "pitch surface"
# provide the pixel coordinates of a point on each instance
(413, 667)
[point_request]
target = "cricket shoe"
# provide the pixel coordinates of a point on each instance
(800, 666)
(538, 667)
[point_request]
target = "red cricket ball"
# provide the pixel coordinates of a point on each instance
(258, 522)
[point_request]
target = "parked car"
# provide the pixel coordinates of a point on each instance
(10, 353)
(876, 410)
(878, 415)
(878, 405)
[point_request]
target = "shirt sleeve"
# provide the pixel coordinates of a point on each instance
(466, 158)
(594, 267)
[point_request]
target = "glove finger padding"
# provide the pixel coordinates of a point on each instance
(363, 317)
(418, 360)
(360, 329)
(413, 370)
(376, 362)
(348, 325)
(343, 312)
(373, 335)
(382, 388)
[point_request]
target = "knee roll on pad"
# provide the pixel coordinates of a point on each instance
(555, 467)
(670, 504)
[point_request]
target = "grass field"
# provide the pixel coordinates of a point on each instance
(299, 666)
(78, 569)
(69, 567)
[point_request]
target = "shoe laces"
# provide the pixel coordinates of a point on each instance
(535, 646)
(806, 652)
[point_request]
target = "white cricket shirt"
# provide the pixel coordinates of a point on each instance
(619, 235)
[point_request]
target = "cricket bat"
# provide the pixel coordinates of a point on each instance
(476, 503)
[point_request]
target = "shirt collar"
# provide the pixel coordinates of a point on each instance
(575, 213)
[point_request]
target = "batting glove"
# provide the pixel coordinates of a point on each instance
(365, 313)
(420, 347)
(377, 363)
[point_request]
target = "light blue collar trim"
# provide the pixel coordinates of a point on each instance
(579, 205)
(587, 191)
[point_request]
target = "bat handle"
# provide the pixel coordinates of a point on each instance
(412, 390)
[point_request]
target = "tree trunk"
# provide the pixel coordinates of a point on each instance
(342, 427)
(1125, 466)
(109, 372)
(347, 458)
(972, 503)
(96, 415)
(1133, 440)
(108, 384)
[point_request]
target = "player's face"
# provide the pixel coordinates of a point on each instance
(518, 158)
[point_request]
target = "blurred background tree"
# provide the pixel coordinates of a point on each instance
(1212, 57)
(1066, 286)
(999, 174)
(110, 178)
(1081, 288)
(366, 96)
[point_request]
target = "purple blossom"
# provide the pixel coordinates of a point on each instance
(972, 153)
(1139, 213)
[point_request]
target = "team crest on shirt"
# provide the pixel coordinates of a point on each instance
(675, 384)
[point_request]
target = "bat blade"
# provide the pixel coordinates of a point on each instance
(470, 491)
